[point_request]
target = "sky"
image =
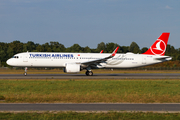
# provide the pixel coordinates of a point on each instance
(90, 22)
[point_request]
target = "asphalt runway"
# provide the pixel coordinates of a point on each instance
(95, 76)
(91, 107)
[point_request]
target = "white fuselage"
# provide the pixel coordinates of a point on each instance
(49, 59)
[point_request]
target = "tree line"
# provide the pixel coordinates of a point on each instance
(7, 50)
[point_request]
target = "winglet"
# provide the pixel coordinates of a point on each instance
(101, 51)
(115, 51)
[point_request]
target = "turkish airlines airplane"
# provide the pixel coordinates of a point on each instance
(75, 62)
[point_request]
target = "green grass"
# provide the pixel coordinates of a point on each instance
(89, 91)
(90, 116)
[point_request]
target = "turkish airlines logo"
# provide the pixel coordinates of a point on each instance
(159, 47)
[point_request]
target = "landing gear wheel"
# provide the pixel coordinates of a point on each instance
(25, 74)
(89, 73)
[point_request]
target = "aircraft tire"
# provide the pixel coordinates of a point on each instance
(90, 73)
(87, 73)
(25, 74)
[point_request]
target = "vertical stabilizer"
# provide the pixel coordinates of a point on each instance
(159, 47)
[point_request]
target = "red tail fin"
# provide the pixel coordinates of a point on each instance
(159, 47)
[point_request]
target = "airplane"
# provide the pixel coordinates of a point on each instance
(76, 62)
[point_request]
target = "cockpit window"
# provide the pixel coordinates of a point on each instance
(15, 57)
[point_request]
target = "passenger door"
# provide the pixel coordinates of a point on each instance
(25, 57)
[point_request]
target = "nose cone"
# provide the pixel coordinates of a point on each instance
(9, 62)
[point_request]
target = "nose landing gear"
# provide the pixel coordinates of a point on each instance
(25, 74)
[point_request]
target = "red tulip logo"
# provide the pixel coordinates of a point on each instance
(159, 47)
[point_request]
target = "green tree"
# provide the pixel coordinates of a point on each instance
(16, 46)
(31, 46)
(87, 50)
(75, 48)
(57, 47)
(3, 56)
(124, 49)
(134, 48)
(10, 52)
(144, 49)
(3, 51)
(47, 47)
(40, 48)
(101, 46)
(178, 57)
(110, 47)
(168, 49)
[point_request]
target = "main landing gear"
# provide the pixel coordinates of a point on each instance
(25, 71)
(89, 73)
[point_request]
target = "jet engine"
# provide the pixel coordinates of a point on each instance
(72, 68)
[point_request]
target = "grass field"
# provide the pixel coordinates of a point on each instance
(89, 91)
(89, 116)
(96, 71)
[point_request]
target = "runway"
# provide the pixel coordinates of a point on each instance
(91, 107)
(95, 76)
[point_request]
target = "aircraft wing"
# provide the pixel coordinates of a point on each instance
(101, 60)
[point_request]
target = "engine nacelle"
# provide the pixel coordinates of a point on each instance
(72, 68)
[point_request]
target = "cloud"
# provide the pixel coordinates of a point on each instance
(167, 7)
